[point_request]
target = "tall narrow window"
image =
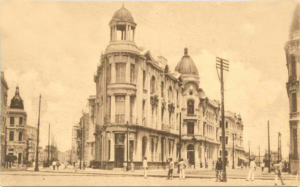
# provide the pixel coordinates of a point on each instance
(170, 94)
(108, 152)
(20, 136)
(162, 115)
(20, 120)
(120, 109)
(294, 102)
(144, 79)
(190, 107)
(144, 146)
(132, 73)
(12, 120)
(144, 108)
(226, 140)
(108, 72)
(177, 97)
(152, 85)
(131, 109)
(226, 124)
(11, 135)
(293, 66)
(190, 128)
(121, 72)
(162, 87)
(131, 148)
(109, 108)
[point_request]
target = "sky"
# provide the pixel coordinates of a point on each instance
(53, 48)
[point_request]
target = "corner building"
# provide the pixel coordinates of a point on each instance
(138, 105)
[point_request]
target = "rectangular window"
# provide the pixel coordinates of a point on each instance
(131, 148)
(120, 109)
(226, 140)
(221, 124)
(109, 108)
(190, 128)
(11, 135)
(220, 138)
(20, 136)
(108, 71)
(132, 73)
(144, 108)
(120, 72)
(294, 102)
(144, 79)
(162, 89)
(120, 139)
(131, 109)
(20, 121)
(12, 120)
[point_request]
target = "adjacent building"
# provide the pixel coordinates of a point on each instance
(292, 57)
(143, 109)
(4, 89)
(31, 138)
(16, 128)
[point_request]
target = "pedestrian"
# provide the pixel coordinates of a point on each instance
(262, 167)
(84, 165)
(132, 166)
(171, 168)
(277, 171)
(252, 169)
(54, 164)
(219, 168)
(57, 164)
(181, 166)
(242, 166)
(145, 166)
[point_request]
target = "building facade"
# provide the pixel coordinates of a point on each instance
(292, 57)
(31, 138)
(143, 109)
(16, 131)
(4, 89)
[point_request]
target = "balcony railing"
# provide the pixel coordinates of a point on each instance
(120, 118)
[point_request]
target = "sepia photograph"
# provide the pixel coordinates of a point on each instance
(149, 93)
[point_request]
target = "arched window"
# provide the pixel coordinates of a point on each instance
(190, 147)
(152, 85)
(170, 93)
(190, 106)
(293, 66)
(162, 88)
(144, 146)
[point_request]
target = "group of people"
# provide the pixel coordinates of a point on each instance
(56, 164)
(171, 165)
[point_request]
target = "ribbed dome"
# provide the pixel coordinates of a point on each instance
(186, 65)
(122, 15)
(16, 101)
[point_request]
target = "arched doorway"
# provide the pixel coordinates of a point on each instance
(190, 154)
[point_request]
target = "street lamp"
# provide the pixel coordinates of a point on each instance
(233, 137)
(194, 142)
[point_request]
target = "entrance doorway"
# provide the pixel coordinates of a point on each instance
(119, 158)
(190, 154)
(19, 158)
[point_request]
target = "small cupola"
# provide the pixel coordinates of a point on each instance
(16, 101)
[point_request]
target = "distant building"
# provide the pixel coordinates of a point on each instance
(74, 148)
(31, 137)
(16, 128)
(292, 51)
(4, 89)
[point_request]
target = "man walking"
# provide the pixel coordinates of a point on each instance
(219, 170)
(145, 166)
(262, 166)
(181, 166)
(252, 169)
(171, 168)
(54, 164)
(277, 171)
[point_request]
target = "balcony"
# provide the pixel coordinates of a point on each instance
(120, 118)
(166, 127)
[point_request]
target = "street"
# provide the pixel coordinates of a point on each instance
(26, 178)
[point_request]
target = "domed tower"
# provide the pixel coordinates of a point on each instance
(187, 68)
(122, 32)
(292, 56)
(16, 101)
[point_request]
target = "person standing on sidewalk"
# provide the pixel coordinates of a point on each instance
(145, 166)
(262, 166)
(171, 168)
(277, 171)
(252, 169)
(219, 170)
(57, 164)
(182, 167)
(54, 164)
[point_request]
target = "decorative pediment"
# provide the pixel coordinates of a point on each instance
(171, 107)
(154, 100)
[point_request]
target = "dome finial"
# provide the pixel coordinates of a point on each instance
(186, 51)
(17, 90)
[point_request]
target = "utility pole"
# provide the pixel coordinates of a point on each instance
(249, 151)
(233, 136)
(49, 146)
(82, 146)
(180, 135)
(38, 134)
(279, 146)
(269, 154)
(223, 65)
(5, 146)
(259, 156)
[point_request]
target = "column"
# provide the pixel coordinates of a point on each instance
(127, 75)
(127, 108)
(113, 111)
(115, 32)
